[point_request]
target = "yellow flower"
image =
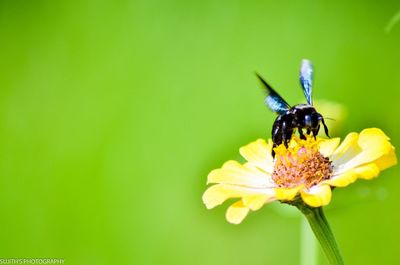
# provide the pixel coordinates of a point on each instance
(307, 169)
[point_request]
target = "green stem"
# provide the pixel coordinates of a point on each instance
(322, 231)
(308, 244)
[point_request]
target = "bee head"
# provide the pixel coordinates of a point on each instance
(312, 120)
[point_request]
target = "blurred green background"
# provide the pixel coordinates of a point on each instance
(112, 113)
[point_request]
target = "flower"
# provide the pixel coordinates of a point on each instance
(307, 170)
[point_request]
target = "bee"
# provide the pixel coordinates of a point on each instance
(299, 117)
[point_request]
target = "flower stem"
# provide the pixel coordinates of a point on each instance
(308, 244)
(322, 231)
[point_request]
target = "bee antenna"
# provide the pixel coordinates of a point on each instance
(332, 119)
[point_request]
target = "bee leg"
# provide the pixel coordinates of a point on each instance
(288, 137)
(315, 131)
(308, 131)
(276, 136)
(301, 134)
(285, 134)
(286, 143)
(325, 127)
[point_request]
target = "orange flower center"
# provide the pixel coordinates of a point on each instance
(300, 164)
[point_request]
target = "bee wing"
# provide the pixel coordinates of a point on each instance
(306, 79)
(273, 100)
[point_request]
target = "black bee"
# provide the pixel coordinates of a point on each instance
(301, 116)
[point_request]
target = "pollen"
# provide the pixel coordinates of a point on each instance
(301, 164)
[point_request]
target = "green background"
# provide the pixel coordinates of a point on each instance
(112, 113)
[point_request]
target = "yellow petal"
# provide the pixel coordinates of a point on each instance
(374, 144)
(237, 212)
(371, 145)
(258, 153)
(233, 172)
(287, 194)
(327, 147)
(386, 161)
(367, 171)
(317, 196)
(255, 202)
(342, 180)
(374, 135)
(217, 194)
(347, 149)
